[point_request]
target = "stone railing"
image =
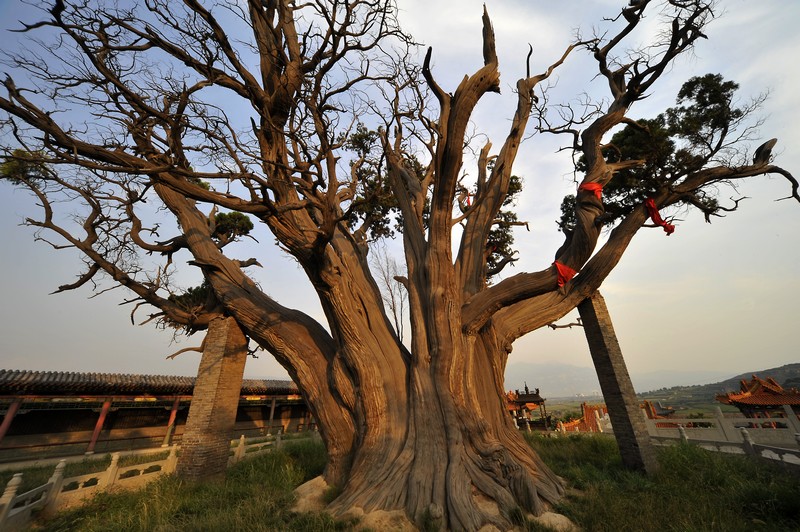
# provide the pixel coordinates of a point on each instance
(745, 446)
(17, 510)
(775, 431)
(776, 438)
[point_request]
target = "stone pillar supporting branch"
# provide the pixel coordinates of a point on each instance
(215, 399)
(628, 423)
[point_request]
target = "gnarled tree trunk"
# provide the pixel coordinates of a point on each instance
(451, 452)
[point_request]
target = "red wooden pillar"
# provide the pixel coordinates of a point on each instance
(271, 415)
(99, 426)
(171, 423)
(10, 413)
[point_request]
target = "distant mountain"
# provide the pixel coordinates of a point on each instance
(659, 379)
(564, 380)
(787, 376)
(553, 380)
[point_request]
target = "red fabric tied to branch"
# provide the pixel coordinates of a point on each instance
(652, 210)
(597, 188)
(565, 273)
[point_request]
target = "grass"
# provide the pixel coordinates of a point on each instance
(695, 490)
(256, 495)
(33, 477)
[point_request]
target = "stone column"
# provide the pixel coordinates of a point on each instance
(623, 408)
(212, 414)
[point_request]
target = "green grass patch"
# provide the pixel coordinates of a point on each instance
(695, 489)
(33, 477)
(255, 495)
(136, 459)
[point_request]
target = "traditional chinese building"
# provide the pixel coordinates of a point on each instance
(762, 398)
(528, 409)
(657, 410)
(590, 420)
(57, 413)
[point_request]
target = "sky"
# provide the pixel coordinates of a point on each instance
(719, 297)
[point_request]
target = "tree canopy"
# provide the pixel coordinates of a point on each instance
(196, 121)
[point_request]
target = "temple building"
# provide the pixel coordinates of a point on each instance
(591, 420)
(528, 409)
(61, 413)
(762, 398)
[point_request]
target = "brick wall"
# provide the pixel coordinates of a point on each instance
(212, 414)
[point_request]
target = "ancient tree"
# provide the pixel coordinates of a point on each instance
(163, 116)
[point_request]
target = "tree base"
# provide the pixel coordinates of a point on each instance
(310, 497)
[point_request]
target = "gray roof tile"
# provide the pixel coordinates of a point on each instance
(23, 382)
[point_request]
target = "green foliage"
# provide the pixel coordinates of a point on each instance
(21, 166)
(307, 456)
(193, 298)
(374, 205)
(501, 237)
(694, 490)
(707, 111)
(228, 226)
(669, 147)
(200, 183)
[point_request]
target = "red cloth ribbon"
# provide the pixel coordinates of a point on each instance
(597, 188)
(565, 273)
(652, 211)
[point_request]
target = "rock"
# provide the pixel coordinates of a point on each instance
(558, 522)
(310, 496)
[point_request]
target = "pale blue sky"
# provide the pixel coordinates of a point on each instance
(709, 297)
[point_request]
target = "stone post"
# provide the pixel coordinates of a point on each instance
(238, 454)
(793, 423)
(682, 432)
(215, 399)
(724, 426)
(630, 430)
(172, 459)
(747, 441)
(8, 497)
(56, 483)
(110, 476)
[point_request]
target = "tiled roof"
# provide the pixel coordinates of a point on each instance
(16, 382)
(765, 399)
(761, 392)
